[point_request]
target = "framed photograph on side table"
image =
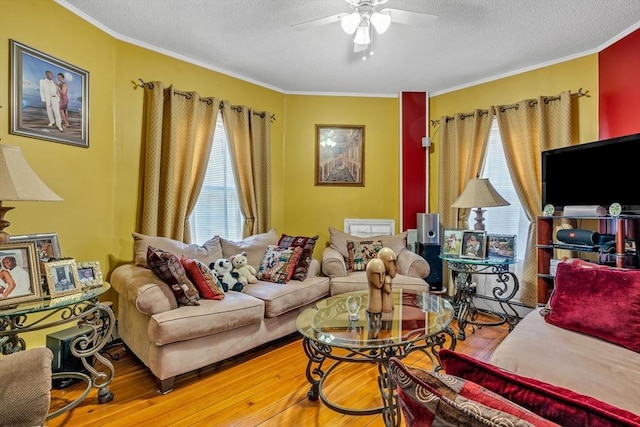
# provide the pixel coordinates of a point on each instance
(47, 246)
(89, 274)
(339, 155)
(62, 277)
(451, 243)
(501, 246)
(20, 274)
(474, 244)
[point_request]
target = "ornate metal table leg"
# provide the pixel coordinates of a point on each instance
(314, 374)
(391, 412)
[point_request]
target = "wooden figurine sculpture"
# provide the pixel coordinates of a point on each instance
(376, 278)
(388, 258)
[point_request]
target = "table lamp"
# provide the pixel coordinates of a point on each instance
(479, 193)
(18, 182)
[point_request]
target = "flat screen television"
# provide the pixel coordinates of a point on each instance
(595, 173)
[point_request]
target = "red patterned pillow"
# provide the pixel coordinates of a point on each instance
(361, 252)
(167, 267)
(278, 264)
(428, 398)
(307, 244)
(208, 284)
(555, 403)
(597, 302)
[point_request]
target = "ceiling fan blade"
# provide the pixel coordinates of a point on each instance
(410, 18)
(318, 22)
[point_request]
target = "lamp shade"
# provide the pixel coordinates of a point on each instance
(380, 21)
(479, 193)
(350, 22)
(18, 181)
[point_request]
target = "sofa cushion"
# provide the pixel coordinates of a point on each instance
(427, 398)
(338, 240)
(357, 281)
(255, 246)
(210, 317)
(554, 403)
(207, 253)
(361, 252)
(307, 244)
(168, 268)
(603, 303)
(295, 294)
(278, 264)
(208, 285)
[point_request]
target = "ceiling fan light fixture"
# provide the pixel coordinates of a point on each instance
(380, 21)
(350, 22)
(362, 36)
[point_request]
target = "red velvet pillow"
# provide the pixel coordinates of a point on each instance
(207, 283)
(554, 403)
(602, 303)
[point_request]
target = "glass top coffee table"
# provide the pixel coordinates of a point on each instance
(340, 329)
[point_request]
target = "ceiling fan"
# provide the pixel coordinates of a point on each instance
(366, 15)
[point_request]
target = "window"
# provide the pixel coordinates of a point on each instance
(504, 219)
(217, 211)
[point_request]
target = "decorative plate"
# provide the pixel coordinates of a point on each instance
(615, 209)
(549, 210)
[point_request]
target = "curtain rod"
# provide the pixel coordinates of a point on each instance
(237, 108)
(532, 103)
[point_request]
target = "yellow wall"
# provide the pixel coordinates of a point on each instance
(310, 209)
(551, 80)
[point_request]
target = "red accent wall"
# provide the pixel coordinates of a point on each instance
(413, 121)
(619, 88)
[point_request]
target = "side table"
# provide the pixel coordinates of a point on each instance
(85, 309)
(502, 293)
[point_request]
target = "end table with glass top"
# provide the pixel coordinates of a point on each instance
(97, 320)
(340, 329)
(505, 289)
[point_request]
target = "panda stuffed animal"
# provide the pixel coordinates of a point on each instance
(230, 280)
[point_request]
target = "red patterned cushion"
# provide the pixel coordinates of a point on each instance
(428, 398)
(307, 244)
(278, 264)
(602, 303)
(554, 403)
(167, 267)
(361, 252)
(208, 284)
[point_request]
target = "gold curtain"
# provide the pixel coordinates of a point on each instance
(177, 136)
(249, 135)
(463, 139)
(528, 128)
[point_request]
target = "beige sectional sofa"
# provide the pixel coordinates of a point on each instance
(172, 340)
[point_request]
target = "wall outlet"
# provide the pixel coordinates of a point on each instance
(426, 142)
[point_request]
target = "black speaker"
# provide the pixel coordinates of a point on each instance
(428, 227)
(431, 253)
(578, 237)
(63, 360)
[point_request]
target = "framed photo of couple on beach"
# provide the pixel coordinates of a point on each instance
(49, 97)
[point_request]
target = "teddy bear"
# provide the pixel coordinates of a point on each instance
(229, 279)
(240, 264)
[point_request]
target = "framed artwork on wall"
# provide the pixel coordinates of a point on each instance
(452, 242)
(339, 155)
(474, 244)
(62, 277)
(20, 275)
(49, 97)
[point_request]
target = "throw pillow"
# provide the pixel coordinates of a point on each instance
(208, 285)
(338, 241)
(255, 246)
(554, 403)
(428, 398)
(278, 264)
(361, 252)
(207, 253)
(602, 303)
(307, 244)
(168, 268)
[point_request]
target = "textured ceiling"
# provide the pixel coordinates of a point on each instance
(471, 41)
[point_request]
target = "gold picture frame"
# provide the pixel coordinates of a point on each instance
(62, 277)
(339, 159)
(20, 274)
(89, 274)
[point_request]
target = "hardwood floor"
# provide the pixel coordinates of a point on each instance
(265, 387)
